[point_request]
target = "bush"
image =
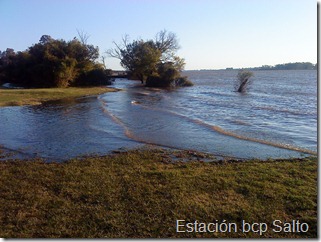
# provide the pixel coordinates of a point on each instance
(156, 81)
(95, 77)
(66, 73)
(167, 76)
(183, 82)
(243, 80)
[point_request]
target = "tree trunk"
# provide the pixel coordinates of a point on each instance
(242, 86)
(141, 78)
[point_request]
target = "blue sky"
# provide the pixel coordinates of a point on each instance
(213, 34)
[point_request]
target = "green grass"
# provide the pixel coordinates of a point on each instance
(141, 194)
(18, 97)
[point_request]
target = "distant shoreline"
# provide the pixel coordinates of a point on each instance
(296, 66)
(251, 69)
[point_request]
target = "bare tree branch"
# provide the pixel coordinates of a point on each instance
(83, 36)
(117, 51)
(166, 41)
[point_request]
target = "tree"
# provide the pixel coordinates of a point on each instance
(54, 63)
(45, 39)
(141, 59)
(152, 61)
(83, 36)
(243, 80)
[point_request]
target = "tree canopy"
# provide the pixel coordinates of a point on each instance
(153, 62)
(53, 63)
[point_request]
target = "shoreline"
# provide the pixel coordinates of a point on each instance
(37, 96)
(169, 155)
(172, 155)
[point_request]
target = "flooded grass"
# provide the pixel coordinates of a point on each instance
(141, 194)
(19, 97)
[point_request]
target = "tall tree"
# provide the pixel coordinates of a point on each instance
(151, 59)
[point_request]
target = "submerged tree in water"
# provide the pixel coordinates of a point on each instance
(243, 80)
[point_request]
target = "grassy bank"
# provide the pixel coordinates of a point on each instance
(18, 97)
(142, 194)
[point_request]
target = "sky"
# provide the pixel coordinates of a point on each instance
(213, 34)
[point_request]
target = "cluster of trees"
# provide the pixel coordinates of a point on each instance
(60, 63)
(54, 63)
(290, 66)
(153, 62)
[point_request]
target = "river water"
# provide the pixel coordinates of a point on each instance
(276, 118)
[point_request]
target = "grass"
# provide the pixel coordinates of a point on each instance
(19, 97)
(141, 194)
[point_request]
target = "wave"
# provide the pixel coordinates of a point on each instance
(135, 102)
(131, 136)
(278, 145)
(211, 127)
(293, 112)
(113, 117)
(229, 133)
(240, 122)
(110, 133)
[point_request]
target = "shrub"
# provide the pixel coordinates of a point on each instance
(95, 77)
(157, 81)
(167, 76)
(183, 82)
(243, 80)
